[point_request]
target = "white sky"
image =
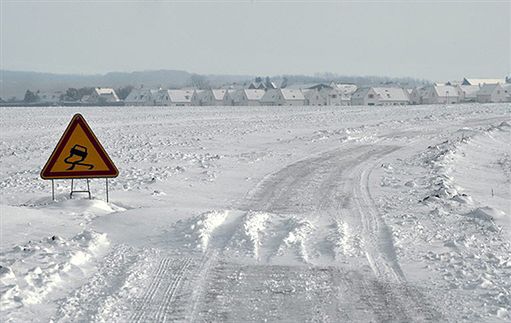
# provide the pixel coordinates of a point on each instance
(437, 41)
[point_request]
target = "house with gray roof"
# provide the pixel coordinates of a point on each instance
(283, 97)
(179, 98)
(494, 93)
(141, 97)
(380, 96)
(481, 82)
(436, 94)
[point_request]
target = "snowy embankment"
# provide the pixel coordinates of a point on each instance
(262, 213)
(454, 206)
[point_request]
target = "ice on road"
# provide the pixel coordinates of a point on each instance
(363, 214)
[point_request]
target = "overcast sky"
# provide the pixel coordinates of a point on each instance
(436, 41)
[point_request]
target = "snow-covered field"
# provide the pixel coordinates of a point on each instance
(332, 214)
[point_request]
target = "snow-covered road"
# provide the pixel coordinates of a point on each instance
(260, 213)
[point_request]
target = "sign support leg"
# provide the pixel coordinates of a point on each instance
(88, 189)
(73, 189)
(72, 185)
(52, 190)
(107, 190)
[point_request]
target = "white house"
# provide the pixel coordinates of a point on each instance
(247, 97)
(340, 95)
(493, 93)
(364, 96)
(230, 98)
(392, 96)
(417, 94)
(141, 97)
(197, 97)
(380, 96)
(160, 97)
(317, 94)
(507, 89)
(438, 94)
(286, 96)
(212, 97)
(102, 95)
(178, 98)
(481, 82)
(468, 93)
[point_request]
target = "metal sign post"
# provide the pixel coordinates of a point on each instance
(106, 190)
(81, 191)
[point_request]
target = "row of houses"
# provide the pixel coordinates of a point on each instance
(99, 95)
(332, 94)
(470, 90)
(215, 97)
(320, 94)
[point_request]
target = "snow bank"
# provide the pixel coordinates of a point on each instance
(298, 231)
(30, 271)
(247, 238)
(198, 231)
(463, 173)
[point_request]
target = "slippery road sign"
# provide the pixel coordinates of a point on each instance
(79, 155)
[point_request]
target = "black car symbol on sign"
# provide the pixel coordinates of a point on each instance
(77, 156)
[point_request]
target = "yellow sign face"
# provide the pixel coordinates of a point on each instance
(79, 155)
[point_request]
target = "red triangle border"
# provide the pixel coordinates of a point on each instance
(78, 119)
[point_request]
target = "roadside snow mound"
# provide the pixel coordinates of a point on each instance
(199, 230)
(269, 238)
(246, 241)
(299, 231)
(465, 176)
(29, 272)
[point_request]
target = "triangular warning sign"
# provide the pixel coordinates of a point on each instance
(79, 155)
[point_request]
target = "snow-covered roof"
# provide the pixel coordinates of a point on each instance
(302, 86)
(141, 95)
(107, 92)
(360, 92)
(319, 86)
(488, 89)
(292, 94)
(446, 90)
(391, 93)
(469, 90)
(471, 81)
(180, 96)
(270, 96)
(219, 94)
(344, 88)
(254, 95)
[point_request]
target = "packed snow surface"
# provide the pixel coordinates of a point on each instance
(364, 214)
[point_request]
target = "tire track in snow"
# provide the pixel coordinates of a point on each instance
(151, 290)
(170, 292)
(379, 245)
(337, 184)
